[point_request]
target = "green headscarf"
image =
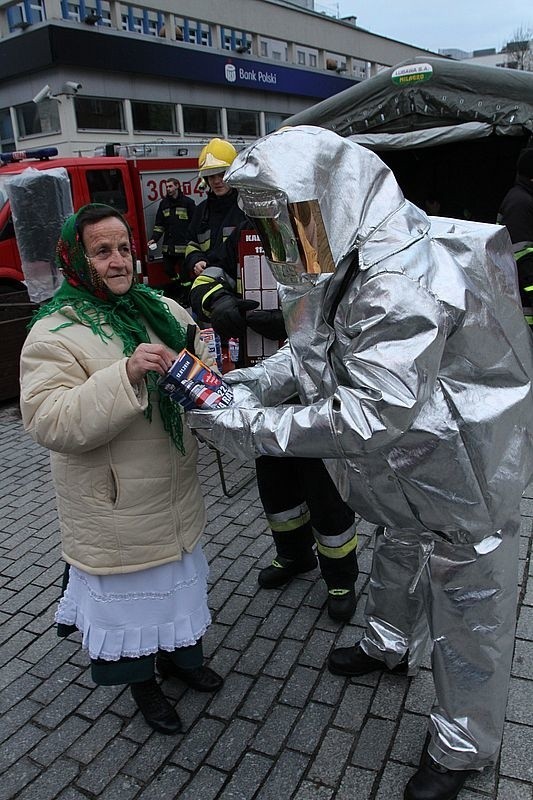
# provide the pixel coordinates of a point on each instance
(97, 307)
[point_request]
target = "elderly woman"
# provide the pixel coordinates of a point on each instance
(124, 466)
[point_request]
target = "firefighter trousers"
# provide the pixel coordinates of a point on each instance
(303, 506)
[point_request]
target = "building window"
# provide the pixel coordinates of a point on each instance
(273, 121)
(242, 123)
(264, 49)
(7, 136)
(99, 114)
(199, 119)
(107, 186)
(301, 56)
(153, 117)
(276, 55)
(35, 118)
(312, 60)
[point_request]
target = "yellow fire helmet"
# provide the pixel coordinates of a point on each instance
(216, 156)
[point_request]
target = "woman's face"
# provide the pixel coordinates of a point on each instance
(107, 244)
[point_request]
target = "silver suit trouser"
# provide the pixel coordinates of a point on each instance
(462, 599)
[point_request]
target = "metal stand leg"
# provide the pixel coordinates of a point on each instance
(239, 486)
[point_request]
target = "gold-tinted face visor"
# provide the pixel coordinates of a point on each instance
(292, 234)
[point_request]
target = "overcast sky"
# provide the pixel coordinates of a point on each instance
(466, 24)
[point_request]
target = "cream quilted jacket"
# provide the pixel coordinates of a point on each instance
(127, 498)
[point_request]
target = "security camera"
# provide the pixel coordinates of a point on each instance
(72, 86)
(44, 94)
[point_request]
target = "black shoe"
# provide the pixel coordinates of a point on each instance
(203, 679)
(155, 707)
(354, 661)
(283, 570)
(432, 781)
(341, 604)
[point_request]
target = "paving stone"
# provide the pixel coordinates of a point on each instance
(19, 744)
(356, 784)
(150, 757)
(230, 696)
(285, 777)
(17, 690)
(18, 716)
(194, 747)
(247, 778)
(512, 790)
(421, 693)
(260, 698)
(391, 783)
(59, 740)
(255, 656)
(123, 787)
(299, 686)
(310, 728)
(373, 743)
(353, 707)
(241, 633)
(206, 784)
(50, 782)
(106, 765)
(311, 791)
(46, 691)
(277, 726)
(16, 778)
(523, 659)
(328, 689)
(517, 746)
(389, 696)
(524, 628)
(317, 649)
(283, 659)
(87, 746)
(332, 758)
(164, 786)
(68, 701)
(277, 620)
(231, 745)
(409, 739)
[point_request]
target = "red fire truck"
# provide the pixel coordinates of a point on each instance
(131, 181)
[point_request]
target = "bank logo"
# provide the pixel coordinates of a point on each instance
(230, 73)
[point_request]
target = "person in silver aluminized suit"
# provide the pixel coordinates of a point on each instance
(410, 354)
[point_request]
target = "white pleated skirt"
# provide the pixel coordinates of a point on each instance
(138, 613)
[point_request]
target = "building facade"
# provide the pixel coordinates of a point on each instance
(79, 74)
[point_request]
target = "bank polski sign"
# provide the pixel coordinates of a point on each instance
(250, 75)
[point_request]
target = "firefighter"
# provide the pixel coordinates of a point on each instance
(298, 516)
(172, 222)
(414, 369)
(216, 216)
(516, 213)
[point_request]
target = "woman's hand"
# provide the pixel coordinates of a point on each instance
(146, 358)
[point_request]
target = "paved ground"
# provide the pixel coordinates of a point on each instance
(282, 728)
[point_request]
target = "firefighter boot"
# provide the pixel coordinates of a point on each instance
(340, 575)
(351, 661)
(294, 552)
(282, 570)
(432, 781)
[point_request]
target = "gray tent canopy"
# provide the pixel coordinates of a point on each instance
(451, 131)
(427, 93)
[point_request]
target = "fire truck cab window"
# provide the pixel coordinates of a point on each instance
(107, 186)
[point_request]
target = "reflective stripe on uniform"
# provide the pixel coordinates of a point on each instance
(337, 546)
(289, 520)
